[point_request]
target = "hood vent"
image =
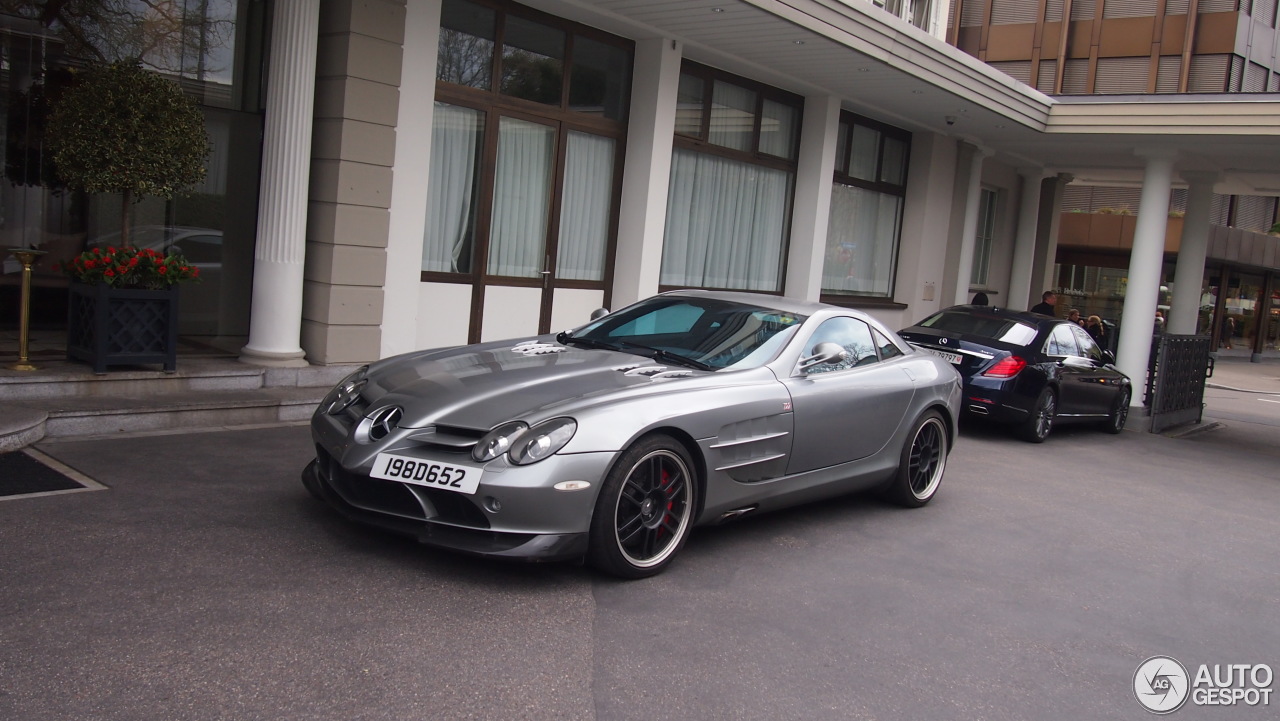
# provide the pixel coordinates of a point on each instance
(537, 347)
(656, 373)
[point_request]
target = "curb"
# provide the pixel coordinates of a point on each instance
(1221, 387)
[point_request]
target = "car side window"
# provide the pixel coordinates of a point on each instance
(849, 333)
(1088, 348)
(1061, 342)
(888, 349)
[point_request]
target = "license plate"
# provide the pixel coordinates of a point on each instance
(432, 474)
(949, 357)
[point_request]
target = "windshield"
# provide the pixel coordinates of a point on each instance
(1005, 330)
(714, 333)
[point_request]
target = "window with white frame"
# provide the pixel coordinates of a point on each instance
(985, 234)
(733, 172)
(866, 208)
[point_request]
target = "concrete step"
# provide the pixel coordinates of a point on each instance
(67, 400)
(127, 413)
(70, 380)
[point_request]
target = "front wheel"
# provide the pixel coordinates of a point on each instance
(1120, 413)
(645, 510)
(923, 461)
(1036, 428)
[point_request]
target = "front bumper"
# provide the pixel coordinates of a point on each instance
(390, 506)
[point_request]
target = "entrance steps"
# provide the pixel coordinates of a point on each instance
(67, 400)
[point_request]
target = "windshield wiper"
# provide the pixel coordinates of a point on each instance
(564, 338)
(625, 346)
(667, 356)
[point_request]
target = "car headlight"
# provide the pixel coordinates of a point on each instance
(346, 392)
(542, 440)
(498, 441)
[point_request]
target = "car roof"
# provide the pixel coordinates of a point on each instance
(776, 302)
(1037, 319)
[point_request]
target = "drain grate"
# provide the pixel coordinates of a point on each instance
(23, 474)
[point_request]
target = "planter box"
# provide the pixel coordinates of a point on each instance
(118, 326)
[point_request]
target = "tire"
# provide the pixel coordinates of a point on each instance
(1119, 414)
(923, 461)
(632, 535)
(1036, 428)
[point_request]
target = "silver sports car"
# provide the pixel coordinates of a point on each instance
(612, 441)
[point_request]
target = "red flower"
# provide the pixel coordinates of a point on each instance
(133, 261)
(90, 263)
(110, 273)
(163, 269)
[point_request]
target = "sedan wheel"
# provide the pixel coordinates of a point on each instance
(1120, 413)
(924, 459)
(1036, 428)
(645, 510)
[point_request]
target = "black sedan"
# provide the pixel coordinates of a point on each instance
(1025, 368)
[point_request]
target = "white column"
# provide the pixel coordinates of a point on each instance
(1024, 243)
(969, 235)
(812, 211)
(275, 321)
(647, 172)
(1189, 277)
(1142, 294)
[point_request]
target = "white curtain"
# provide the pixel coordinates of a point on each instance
(521, 198)
(585, 206)
(733, 116)
(455, 142)
(862, 241)
(726, 221)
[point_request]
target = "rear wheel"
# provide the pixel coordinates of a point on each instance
(645, 510)
(1119, 413)
(923, 461)
(1036, 428)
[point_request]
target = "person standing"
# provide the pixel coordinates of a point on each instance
(1073, 315)
(1048, 300)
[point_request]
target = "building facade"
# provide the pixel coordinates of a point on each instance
(436, 172)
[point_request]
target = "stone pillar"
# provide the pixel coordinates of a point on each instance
(1188, 279)
(361, 61)
(646, 174)
(973, 156)
(1142, 294)
(275, 322)
(812, 211)
(1024, 242)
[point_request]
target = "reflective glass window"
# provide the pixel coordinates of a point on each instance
(733, 116)
(532, 61)
(779, 129)
(849, 333)
(600, 81)
(521, 198)
(689, 105)
(465, 55)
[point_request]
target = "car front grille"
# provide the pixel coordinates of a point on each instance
(400, 499)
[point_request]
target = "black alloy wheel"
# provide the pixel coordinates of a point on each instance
(1119, 413)
(923, 461)
(645, 510)
(1036, 427)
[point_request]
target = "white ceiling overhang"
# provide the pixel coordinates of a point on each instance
(887, 69)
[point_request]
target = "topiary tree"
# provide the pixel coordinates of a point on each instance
(122, 129)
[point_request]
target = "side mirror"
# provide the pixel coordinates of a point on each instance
(825, 353)
(1109, 357)
(599, 313)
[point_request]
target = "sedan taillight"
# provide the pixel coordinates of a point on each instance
(1006, 367)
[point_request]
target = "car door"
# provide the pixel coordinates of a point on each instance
(848, 410)
(1099, 382)
(1070, 369)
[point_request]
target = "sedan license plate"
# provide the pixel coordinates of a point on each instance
(949, 357)
(432, 474)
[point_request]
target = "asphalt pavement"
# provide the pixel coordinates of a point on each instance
(202, 582)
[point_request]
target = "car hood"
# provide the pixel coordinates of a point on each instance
(481, 386)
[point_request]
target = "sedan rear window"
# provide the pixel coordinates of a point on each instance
(1005, 330)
